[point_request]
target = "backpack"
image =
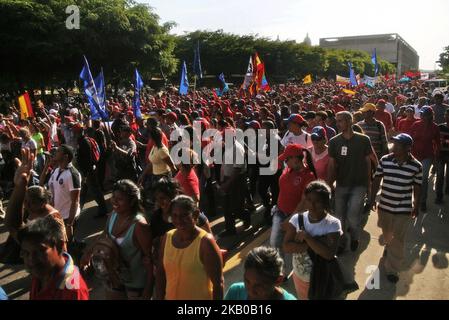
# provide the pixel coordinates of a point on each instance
(105, 260)
(94, 150)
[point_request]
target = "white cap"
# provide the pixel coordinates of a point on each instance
(73, 111)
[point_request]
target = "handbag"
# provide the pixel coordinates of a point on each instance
(326, 279)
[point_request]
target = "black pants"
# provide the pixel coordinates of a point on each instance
(234, 204)
(91, 183)
(271, 183)
(253, 174)
(101, 170)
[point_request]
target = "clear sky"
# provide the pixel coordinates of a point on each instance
(423, 24)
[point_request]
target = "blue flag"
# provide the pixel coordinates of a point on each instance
(184, 83)
(136, 101)
(224, 85)
(90, 90)
(374, 61)
(197, 62)
(352, 76)
(101, 91)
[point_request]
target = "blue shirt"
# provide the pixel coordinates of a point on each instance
(238, 292)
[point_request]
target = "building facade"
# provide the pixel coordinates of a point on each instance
(390, 47)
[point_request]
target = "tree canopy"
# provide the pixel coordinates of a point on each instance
(444, 60)
(229, 53)
(38, 50)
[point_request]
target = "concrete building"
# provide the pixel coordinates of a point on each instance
(390, 47)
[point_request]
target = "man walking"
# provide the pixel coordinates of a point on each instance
(401, 177)
(350, 166)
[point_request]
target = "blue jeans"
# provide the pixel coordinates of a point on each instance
(277, 234)
(426, 164)
(349, 204)
(277, 237)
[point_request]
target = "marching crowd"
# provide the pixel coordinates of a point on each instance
(335, 165)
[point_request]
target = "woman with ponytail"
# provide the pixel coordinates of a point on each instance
(292, 183)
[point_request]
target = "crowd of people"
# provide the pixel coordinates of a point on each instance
(335, 156)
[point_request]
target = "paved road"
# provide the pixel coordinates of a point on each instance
(426, 274)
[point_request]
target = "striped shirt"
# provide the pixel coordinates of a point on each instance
(397, 185)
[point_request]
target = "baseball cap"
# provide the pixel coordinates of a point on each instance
(253, 124)
(318, 133)
(403, 138)
(426, 109)
(437, 93)
(368, 107)
(410, 108)
(172, 116)
(292, 150)
(296, 118)
(381, 101)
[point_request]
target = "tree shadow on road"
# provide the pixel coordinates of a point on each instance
(18, 288)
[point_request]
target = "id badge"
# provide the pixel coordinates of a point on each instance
(344, 151)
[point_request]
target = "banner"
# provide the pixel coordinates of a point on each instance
(369, 81)
(341, 79)
(425, 76)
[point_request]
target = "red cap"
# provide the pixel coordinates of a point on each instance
(292, 150)
(172, 116)
(381, 101)
(296, 118)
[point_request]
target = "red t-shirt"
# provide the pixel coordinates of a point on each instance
(189, 183)
(385, 118)
(68, 285)
(150, 145)
(426, 140)
(405, 125)
(291, 188)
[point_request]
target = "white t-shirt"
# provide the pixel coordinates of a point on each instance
(61, 183)
(303, 139)
(302, 264)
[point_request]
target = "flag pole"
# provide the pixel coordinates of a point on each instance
(108, 126)
(194, 90)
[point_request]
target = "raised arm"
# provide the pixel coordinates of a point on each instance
(14, 219)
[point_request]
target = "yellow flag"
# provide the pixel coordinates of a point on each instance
(349, 92)
(307, 79)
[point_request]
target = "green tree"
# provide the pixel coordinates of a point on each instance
(444, 60)
(38, 49)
